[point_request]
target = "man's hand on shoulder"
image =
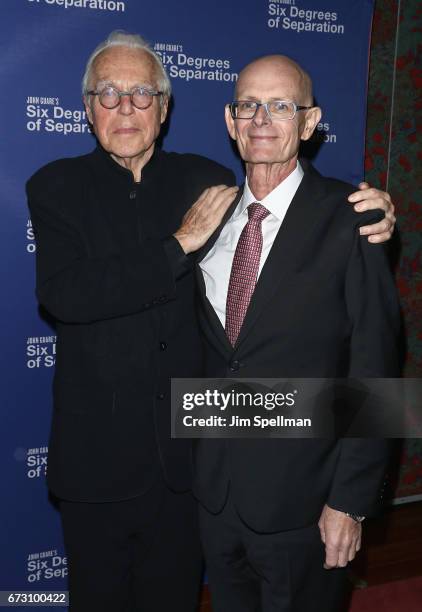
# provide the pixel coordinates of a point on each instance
(204, 216)
(368, 198)
(341, 535)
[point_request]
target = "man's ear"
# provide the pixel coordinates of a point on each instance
(88, 109)
(312, 118)
(164, 109)
(229, 122)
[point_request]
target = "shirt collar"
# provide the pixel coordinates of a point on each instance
(278, 200)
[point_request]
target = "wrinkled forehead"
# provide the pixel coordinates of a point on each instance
(123, 66)
(269, 79)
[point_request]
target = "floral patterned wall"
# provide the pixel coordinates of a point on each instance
(393, 162)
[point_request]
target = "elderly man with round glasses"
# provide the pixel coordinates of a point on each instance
(113, 229)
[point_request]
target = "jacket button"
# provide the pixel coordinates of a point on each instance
(163, 346)
(234, 366)
(161, 396)
(132, 195)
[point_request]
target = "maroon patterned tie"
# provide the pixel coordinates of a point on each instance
(244, 270)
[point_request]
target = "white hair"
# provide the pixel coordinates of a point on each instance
(119, 38)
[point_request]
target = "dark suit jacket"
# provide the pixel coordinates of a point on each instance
(325, 305)
(123, 299)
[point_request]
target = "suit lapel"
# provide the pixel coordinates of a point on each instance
(298, 224)
(212, 316)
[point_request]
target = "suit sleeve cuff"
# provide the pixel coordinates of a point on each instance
(180, 263)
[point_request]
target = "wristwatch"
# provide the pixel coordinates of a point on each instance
(355, 517)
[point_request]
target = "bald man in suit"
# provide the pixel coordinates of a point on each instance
(281, 519)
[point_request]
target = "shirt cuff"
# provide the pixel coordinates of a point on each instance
(180, 263)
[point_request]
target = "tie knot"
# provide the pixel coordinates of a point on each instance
(257, 212)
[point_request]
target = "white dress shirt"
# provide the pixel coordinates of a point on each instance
(217, 264)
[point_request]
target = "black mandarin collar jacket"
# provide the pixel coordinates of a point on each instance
(116, 283)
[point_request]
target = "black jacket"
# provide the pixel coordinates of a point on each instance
(116, 281)
(325, 305)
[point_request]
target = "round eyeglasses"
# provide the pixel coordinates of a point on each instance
(275, 109)
(140, 97)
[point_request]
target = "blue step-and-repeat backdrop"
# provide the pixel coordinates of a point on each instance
(44, 45)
